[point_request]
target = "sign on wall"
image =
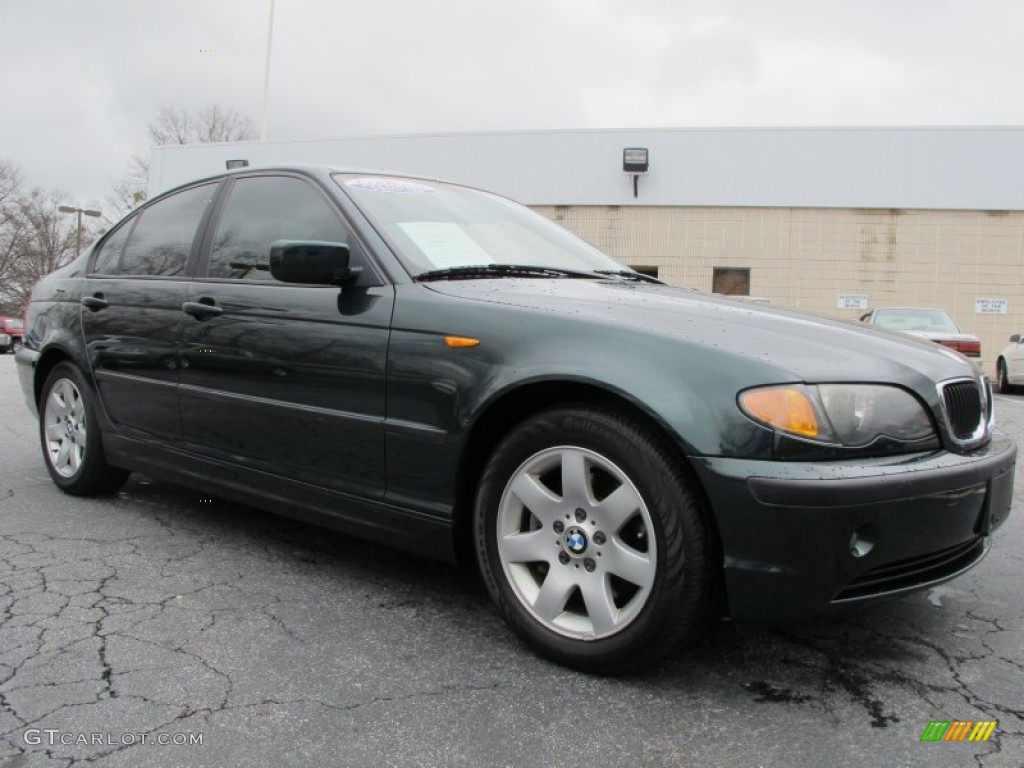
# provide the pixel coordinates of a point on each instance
(852, 301)
(991, 306)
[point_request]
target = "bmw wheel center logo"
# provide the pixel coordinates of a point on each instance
(575, 541)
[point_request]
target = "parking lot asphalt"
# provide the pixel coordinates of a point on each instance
(162, 615)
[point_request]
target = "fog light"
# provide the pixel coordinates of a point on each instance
(860, 547)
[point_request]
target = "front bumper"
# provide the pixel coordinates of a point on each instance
(799, 538)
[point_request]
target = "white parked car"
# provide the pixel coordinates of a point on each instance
(1010, 365)
(932, 324)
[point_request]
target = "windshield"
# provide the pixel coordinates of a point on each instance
(931, 320)
(436, 226)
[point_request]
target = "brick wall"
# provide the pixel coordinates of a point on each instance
(802, 258)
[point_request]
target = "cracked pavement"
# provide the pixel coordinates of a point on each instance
(160, 611)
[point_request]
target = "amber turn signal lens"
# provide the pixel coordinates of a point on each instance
(461, 341)
(785, 408)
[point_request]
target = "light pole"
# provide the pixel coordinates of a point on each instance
(266, 75)
(79, 211)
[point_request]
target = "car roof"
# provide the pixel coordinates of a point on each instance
(307, 169)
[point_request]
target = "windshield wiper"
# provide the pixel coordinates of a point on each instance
(629, 274)
(499, 270)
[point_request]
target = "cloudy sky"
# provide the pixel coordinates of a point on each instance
(81, 80)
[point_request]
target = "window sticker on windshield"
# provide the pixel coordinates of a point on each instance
(445, 244)
(395, 186)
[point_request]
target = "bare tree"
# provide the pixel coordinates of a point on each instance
(46, 242)
(171, 126)
(208, 125)
(10, 181)
(128, 192)
(12, 230)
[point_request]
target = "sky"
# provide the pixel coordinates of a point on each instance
(81, 80)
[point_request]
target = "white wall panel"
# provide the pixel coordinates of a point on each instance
(924, 168)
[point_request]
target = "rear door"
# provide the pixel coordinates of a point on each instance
(284, 378)
(131, 313)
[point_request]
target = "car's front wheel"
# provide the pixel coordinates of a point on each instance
(1003, 385)
(71, 441)
(591, 541)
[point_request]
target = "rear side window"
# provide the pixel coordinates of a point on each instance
(161, 240)
(262, 209)
(108, 260)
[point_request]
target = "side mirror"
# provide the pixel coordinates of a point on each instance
(1015, 339)
(311, 263)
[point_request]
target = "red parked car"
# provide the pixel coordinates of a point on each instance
(13, 327)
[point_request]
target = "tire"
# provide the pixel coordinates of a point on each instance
(70, 438)
(608, 570)
(1003, 385)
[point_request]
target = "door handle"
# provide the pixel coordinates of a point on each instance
(96, 302)
(203, 309)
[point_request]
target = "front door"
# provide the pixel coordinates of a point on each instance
(287, 379)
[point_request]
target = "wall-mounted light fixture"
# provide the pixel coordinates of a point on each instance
(236, 164)
(635, 160)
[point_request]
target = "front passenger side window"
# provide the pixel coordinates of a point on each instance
(262, 209)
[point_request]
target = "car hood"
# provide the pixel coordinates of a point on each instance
(800, 346)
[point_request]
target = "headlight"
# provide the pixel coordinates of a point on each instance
(851, 415)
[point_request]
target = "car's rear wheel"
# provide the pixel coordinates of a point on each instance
(71, 441)
(591, 541)
(1003, 385)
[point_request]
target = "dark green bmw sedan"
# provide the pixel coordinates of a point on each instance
(442, 370)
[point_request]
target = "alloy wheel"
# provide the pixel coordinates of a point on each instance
(65, 428)
(576, 542)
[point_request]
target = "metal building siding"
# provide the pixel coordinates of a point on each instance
(924, 168)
